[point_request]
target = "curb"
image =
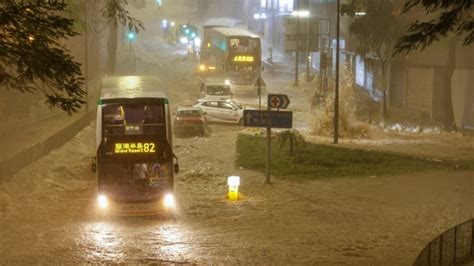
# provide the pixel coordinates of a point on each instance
(14, 164)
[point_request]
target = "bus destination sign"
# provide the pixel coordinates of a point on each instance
(134, 147)
(243, 58)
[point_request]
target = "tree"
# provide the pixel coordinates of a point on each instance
(31, 57)
(453, 19)
(115, 13)
(291, 136)
(376, 29)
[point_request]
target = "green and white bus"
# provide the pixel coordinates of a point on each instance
(135, 162)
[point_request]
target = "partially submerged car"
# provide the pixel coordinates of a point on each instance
(219, 110)
(213, 88)
(189, 121)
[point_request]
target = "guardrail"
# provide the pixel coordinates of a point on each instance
(454, 246)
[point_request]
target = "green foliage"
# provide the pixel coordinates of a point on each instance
(452, 16)
(293, 137)
(377, 30)
(31, 57)
(115, 13)
(325, 161)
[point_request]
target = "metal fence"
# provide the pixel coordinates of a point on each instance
(454, 246)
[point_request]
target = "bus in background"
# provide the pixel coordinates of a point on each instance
(134, 163)
(216, 23)
(234, 54)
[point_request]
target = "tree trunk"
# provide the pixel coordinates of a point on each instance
(112, 49)
(449, 122)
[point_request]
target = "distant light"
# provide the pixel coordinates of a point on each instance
(197, 42)
(186, 31)
(183, 40)
(211, 68)
(164, 21)
(256, 16)
(131, 35)
(172, 24)
(193, 34)
(185, 26)
(169, 201)
(301, 13)
(227, 82)
(31, 38)
(360, 13)
(103, 201)
(202, 67)
(263, 16)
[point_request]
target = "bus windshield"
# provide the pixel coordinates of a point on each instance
(242, 74)
(133, 119)
(244, 45)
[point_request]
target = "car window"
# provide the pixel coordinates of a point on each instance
(226, 106)
(236, 105)
(189, 113)
(211, 104)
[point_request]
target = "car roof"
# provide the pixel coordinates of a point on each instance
(216, 100)
(214, 81)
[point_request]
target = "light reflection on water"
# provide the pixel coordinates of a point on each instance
(136, 240)
(174, 241)
(103, 241)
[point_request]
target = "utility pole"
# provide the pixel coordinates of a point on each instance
(86, 70)
(336, 94)
(297, 54)
(307, 49)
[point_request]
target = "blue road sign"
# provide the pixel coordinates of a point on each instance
(264, 118)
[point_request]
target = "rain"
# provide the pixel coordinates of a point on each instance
(236, 132)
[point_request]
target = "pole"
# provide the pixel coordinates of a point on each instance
(307, 49)
(269, 151)
(297, 54)
(336, 94)
(86, 70)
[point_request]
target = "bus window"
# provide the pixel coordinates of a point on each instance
(244, 45)
(242, 73)
(133, 119)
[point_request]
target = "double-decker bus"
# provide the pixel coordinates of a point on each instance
(135, 160)
(233, 53)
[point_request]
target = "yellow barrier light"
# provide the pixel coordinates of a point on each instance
(233, 182)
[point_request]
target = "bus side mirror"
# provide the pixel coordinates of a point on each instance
(176, 168)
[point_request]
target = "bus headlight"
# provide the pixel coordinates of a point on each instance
(103, 201)
(169, 201)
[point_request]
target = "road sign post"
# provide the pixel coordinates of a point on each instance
(269, 152)
(270, 119)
